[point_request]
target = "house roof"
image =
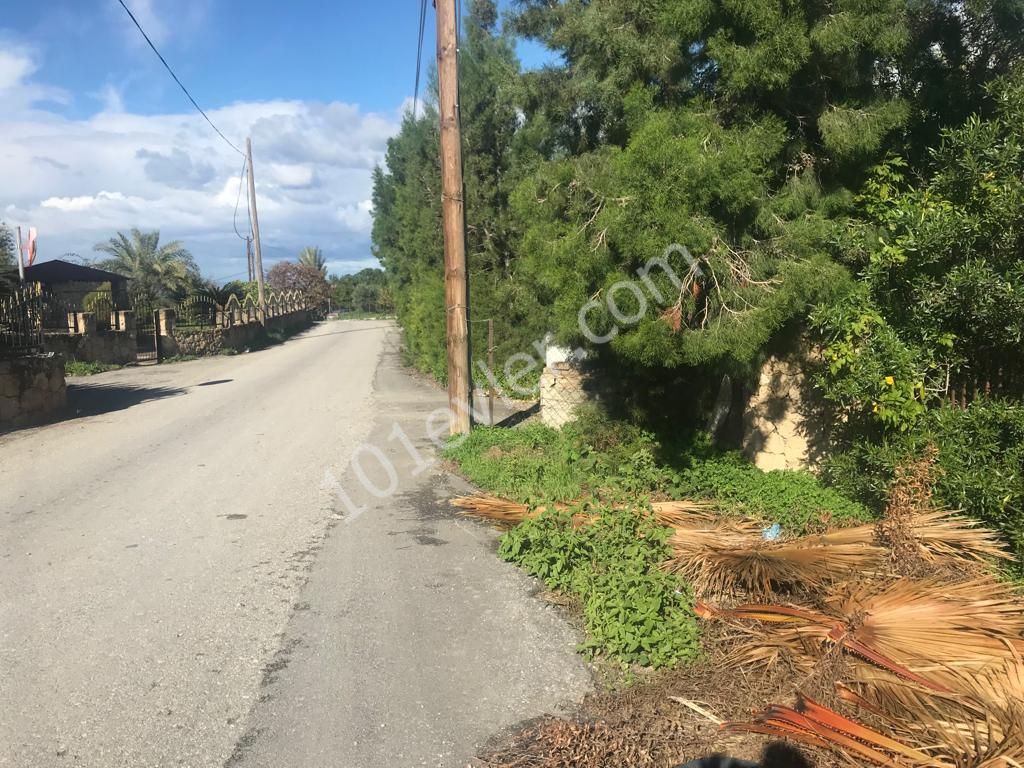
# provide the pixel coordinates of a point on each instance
(58, 271)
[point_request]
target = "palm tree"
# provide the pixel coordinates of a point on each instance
(312, 256)
(165, 272)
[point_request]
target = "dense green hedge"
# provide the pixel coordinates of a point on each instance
(980, 462)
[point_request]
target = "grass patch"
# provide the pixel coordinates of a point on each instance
(532, 462)
(81, 368)
(634, 612)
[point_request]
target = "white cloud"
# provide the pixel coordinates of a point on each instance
(81, 180)
(82, 202)
(15, 67)
(292, 176)
(17, 91)
(110, 96)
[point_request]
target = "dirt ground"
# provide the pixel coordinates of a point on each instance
(644, 725)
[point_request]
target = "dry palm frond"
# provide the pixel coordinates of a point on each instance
(756, 566)
(937, 535)
(683, 514)
(933, 634)
(936, 627)
(670, 514)
(971, 731)
(978, 695)
(495, 509)
(944, 535)
(810, 723)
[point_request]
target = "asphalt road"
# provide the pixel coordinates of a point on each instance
(192, 573)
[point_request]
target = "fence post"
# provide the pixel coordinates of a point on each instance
(156, 334)
(490, 366)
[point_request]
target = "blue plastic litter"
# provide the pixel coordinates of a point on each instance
(772, 532)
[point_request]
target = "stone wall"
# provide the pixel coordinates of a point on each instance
(30, 387)
(783, 423)
(212, 341)
(85, 343)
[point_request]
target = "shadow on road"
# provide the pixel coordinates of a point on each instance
(96, 399)
(305, 336)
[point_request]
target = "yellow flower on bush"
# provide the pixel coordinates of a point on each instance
(890, 380)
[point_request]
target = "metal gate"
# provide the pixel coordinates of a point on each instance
(147, 341)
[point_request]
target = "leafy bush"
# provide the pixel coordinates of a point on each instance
(794, 499)
(981, 463)
(633, 611)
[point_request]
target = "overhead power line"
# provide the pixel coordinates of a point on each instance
(238, 199)
(180, 84)
(419, 56)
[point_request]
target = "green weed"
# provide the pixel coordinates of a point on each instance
(80, 368)
(633, 611)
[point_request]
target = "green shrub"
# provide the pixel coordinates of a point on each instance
(980, 461)
(794, 499)
(633, 611)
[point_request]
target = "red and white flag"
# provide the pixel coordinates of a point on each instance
(31, 245)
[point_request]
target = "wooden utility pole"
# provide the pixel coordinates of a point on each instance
(453, 219)
(256, 232)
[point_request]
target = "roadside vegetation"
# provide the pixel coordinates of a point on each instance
(634, 611)
(78, 368)
(713, 579)
(841, 184)
(595, 458)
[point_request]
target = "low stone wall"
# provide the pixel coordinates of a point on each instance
(115, 347)
(84, 343)
(212, 341)
(31, 387)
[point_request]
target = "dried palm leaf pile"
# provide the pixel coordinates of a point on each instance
(729, 556)
(939, 665)
(900, 624)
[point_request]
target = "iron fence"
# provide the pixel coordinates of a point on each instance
(56, 308)
(21, 329)
(197, 311)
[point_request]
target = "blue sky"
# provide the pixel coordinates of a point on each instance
(96, 137)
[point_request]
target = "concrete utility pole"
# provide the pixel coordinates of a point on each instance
(248, 258)
(256, 233)
(453, 219)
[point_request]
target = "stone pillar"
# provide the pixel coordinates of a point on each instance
(126, 321)
(165, 321)
(86, 322)
(562, 391)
